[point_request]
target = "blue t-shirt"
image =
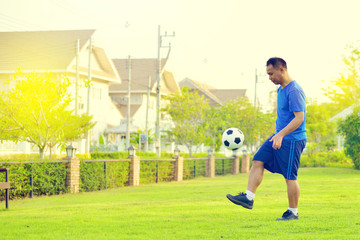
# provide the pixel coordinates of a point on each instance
(291, 99)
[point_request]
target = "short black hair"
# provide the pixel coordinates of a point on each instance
(276, 62)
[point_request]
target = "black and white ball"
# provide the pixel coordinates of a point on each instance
(233, 138)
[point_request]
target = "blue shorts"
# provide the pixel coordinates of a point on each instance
(284, 160)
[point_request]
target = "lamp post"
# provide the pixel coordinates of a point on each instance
(70, 151)
(210, 164)
(210, 152)
(134, 176)
(244, 151)
(178, 165)
(73, 170)
(176, 152)
(131, 151)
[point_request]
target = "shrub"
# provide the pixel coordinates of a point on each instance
(326, 159)
(48, 179)
(350, 128)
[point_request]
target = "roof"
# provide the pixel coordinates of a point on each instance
(36, 50)
(203, 89)
(171, 85)
(347, 111)
(108, 71)
(216, 96)
(228, 94)
(51, 51)
(141, 69)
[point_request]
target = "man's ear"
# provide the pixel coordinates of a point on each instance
(282, 70)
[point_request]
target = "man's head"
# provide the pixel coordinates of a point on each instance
(277, 70)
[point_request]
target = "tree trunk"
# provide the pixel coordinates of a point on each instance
(41, 153)
(50, 148)
(190, 150)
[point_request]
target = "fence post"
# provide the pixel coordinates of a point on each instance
(73, 174)
(157, 171)
(245, 163)
(31, 181)
(210, 166)
(105, 174)
(235, 165)
(178, 168)
(134, 178)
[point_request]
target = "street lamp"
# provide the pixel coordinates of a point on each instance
(132, 151)
(176, 152)
(244, 151)
(70, 151)
(210, 152)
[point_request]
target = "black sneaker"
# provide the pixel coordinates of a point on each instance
(288, 215)
(242, 200)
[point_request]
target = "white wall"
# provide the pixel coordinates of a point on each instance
(104, 112)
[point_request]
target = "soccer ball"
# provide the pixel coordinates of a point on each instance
(233, 138)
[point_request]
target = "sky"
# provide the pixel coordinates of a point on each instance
(218, 42)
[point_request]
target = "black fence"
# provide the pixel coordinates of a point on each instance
(39, 178)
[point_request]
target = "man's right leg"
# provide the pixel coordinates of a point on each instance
(255, 177)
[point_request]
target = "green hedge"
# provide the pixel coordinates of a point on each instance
(190, 166)
(148, 171)
(142, 155)
(48, 179)
(227, 166)
(92, 175)
(326, 159)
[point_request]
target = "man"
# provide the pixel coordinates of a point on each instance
(281, 152)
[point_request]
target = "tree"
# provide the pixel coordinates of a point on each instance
(188, 113)
(350, 128)
(320, 131)
(255, 125)
(345, 90)
(214, 127)
(36, 110)
(135, 138)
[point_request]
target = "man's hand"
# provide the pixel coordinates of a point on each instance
(293, 125)
(276, 140)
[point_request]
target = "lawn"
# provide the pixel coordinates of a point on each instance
(194, 209)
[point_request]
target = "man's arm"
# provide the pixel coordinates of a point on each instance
(292, 126)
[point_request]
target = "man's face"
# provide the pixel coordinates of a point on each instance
(275, 75)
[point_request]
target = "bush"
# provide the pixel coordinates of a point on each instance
(190, 166)
(48, 179)
(350, 128)
(326, 159)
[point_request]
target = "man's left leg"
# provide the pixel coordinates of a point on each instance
(293, 191)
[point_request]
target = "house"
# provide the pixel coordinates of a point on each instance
(143, 79)
(215, 97)
(56, 52)
(342, 115)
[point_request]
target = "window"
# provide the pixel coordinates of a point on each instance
(97, 93)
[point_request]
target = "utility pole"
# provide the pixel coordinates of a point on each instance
(256, 80)
(87, 147)
(77, 77)
(147, 116)
(159, 72)
(128, 106)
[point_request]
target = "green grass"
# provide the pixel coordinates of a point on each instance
(196, 209)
